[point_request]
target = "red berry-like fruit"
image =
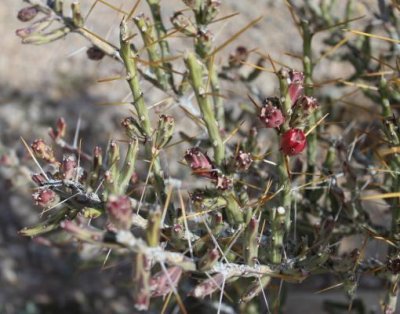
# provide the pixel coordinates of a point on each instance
(293, 142)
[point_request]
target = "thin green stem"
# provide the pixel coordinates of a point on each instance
(129, 58)
(161, 33)
(308, 91)
(149, 39)
(196, 78)
(390, 302)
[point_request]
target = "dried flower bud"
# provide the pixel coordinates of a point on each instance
(204, 35)
(200, 163)
(303, 107)
(296, 85)
(97, 158)
(293, 142)
(69, 167)
(27, 14)
(43, 151)
(212, 10)
(307, 104)
(203, 39)
(243, 160)
(160, 283)
(119, 211)
(39, 179)
(270, 114)
(94, 53)
(45, 198)
(132, 128)
(209, 259)
(393, 265)
(35, 28)
(59, 131)
(165, 130)
(223, 182)
(208, 286)
(183, 23)
(237, 58)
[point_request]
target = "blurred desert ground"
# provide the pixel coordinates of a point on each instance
(40, 83)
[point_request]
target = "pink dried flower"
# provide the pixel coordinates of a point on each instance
(69, 167)
(293, 142)
(39, 179)
(119, 211)
(223, 182)
(243, 160)
(200, 163)
(208, 286)
(43, 151)
(160, 283)
(296, 85)
(45, 197)
(271, 115)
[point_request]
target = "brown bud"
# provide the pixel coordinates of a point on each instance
(393, 265)
(94, 53)
(27, 14)
(205, 35)
(59, 131)
(237, 58)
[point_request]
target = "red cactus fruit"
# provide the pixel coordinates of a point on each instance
(293, 142)
(271, 116)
